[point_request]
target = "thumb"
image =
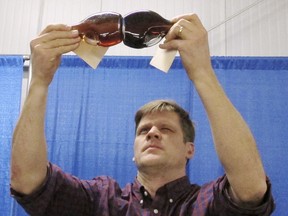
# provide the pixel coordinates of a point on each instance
(170, 45)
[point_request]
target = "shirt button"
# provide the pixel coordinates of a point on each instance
(145, 193)
(141, 202)
(156, 211)
(171, 200)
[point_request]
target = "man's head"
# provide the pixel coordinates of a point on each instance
(164, 136)
(170, 106)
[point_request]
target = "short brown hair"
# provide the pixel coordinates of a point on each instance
(171, 106)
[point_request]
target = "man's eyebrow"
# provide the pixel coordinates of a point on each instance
(143, 126)
(168, 125)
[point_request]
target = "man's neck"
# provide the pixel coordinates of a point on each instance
(153, 181)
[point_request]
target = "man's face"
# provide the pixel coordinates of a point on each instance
(159, 142)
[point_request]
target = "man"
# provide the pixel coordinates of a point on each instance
(163, 144)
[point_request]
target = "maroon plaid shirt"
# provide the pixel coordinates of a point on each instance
(63, 194)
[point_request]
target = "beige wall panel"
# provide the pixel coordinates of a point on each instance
(68, 11)
(18, 24)
(260, 31)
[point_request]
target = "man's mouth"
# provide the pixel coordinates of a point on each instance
(152, 146)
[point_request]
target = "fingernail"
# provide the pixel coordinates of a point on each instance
(75, 32)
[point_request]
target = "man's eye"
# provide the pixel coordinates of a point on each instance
(166, 129)
(143, 131)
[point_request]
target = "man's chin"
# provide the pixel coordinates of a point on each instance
(151, 161)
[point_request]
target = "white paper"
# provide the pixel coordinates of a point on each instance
(91, 54)
(163, 59)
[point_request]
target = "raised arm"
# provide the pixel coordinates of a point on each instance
(29, 154)
(233, 140)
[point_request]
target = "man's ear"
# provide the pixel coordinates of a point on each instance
(190, 150)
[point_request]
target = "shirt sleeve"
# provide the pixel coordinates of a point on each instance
(224, 203)
(61, 194)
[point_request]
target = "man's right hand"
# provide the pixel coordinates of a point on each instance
(46, 50)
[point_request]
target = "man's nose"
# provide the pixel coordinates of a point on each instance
(154, 133)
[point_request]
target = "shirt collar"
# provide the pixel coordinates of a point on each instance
(172, 190)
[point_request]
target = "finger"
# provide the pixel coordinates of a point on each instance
(185, 27)
(184, 16)
(182, 29)
(196, 20)
(65, 49)
(60, 48)
(41, 43)
(58, 35)
(54, 48)
(57, 27)
(52, 53)
(61, 42)
(189, 17)
(171, 45)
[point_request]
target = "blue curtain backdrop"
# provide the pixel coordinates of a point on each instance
(11, 73)
(90, 115)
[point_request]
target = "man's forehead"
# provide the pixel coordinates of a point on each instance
(160, 116)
